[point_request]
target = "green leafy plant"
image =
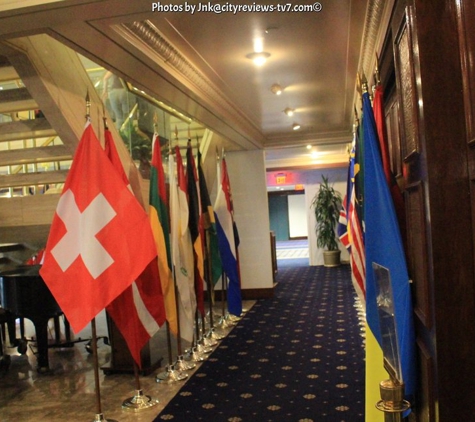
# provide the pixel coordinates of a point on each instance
(326, 205)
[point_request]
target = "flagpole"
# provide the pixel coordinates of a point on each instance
(139, 401)
(169, 341)
(181, 364)
(208, 340)
(211, 337)
(99, 416)
(173, 372)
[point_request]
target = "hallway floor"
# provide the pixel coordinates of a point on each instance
(68, 391)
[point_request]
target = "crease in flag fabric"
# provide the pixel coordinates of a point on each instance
(182, 248)
(139, 311)
(226, 241)
(160, 222)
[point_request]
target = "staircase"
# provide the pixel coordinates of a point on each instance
(36, 147)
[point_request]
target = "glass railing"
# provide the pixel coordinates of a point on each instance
(137, 115)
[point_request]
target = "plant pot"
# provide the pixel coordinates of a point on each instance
(331, 258)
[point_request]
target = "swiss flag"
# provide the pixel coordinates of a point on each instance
(100, 239)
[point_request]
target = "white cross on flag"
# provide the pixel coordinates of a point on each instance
(100, 239)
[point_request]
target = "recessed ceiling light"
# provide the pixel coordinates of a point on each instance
(289, 111)
(295, 126)
(259, 58)
(309, 146)
(276, 89)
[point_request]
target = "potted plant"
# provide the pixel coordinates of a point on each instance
(327, 205)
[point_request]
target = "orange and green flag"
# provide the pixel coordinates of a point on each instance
(159, 219)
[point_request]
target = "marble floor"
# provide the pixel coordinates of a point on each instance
(68, 391)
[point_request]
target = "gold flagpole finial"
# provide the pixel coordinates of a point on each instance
(357, 121)
(104, 118)
(88, 106)
(155, 122)
(176, 133)
(364, 84)
(376, 71)
(189, 132)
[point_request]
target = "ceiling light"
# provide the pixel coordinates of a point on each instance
(289, 111)
(309, 146)
(276, 89)
(259, 58)
(295, 126)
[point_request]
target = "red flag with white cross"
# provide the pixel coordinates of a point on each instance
(100, 239)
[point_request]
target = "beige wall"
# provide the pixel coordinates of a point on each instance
(248, 184)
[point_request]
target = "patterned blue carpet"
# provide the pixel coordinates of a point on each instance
(297, 357)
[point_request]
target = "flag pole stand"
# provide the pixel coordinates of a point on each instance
(231, 319)
(392, 401)
(170, 375)
(181, 364)
(223, 323)
(173, 373)
(209, 340)
(99, 416)
(199, 343)
(139, 401)
(194, 354)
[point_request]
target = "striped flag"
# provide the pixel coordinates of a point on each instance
(227, 242)
(159, 220)
(209, 224)
(355, 232)
(398, 200)
(139, 311)
(383, 246)
(194, 224)
(182, 248)
(342, 228)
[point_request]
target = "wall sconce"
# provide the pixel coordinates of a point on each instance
(259, 58)
(276, 89)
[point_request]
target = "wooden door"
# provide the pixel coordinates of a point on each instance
(433, 105)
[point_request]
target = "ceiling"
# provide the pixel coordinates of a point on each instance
(197, 63)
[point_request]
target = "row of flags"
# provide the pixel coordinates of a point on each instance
(105, 251)
(371, 223)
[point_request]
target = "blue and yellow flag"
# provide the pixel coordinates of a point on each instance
(384, 247)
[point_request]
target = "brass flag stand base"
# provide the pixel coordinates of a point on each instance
(170, 376)
(183, 365)
(392, 401)
(195, 356)
(139, 402)
(99, 417)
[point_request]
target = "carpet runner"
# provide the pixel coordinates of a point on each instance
(297, 357)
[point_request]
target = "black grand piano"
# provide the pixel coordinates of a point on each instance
(24, 294)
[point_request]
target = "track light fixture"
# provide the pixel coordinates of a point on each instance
(295, 126)
(289, 111)
(276, 89)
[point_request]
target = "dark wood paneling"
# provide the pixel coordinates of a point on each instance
(392, 125)
(466, 25)
(426, 403)
(418, 257)
(403, 49)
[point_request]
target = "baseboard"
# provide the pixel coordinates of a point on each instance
(254, 294)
